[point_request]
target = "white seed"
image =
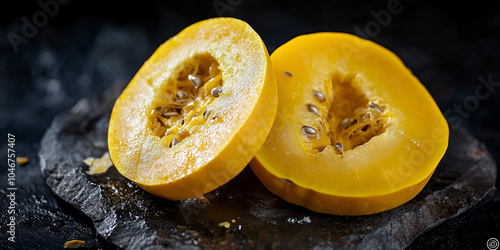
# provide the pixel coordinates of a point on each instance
(309, 131)
(174, 142)
(196, 81)
(313, 109)
(318, 94)
(181, 94)
(375, 106)
(344, 122)
(339, 146)
(169, 114)
(216, 91)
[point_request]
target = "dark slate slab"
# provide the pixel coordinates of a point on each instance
(42, 221)
(129, 217)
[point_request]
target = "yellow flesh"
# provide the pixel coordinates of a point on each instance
(393, 161)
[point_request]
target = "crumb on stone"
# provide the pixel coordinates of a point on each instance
(22, 160)
(98, 165)
(74, 244)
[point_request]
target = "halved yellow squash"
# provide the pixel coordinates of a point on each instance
(356, 132)
(196, 112)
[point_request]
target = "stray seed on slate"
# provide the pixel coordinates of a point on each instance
(313, 109)
(216, 91)
(288, 73)
(375, 106)
(309, 131)
(318, 94)
(196, 81)
(174, 142)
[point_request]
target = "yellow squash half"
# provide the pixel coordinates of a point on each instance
(356, 133)
(196, 112)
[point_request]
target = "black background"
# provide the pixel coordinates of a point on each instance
(86, 46)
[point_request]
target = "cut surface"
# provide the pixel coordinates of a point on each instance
(355, 133)
(196, 112)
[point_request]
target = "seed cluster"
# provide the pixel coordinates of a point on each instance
(365, 123)
(366, 120)
(182, 105)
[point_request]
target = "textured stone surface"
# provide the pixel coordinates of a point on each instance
(42, 220)
(128, 217)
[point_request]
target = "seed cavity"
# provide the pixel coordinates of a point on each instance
(352, 120)
(319, 95)
(313, 109)
(196, 81)
(180, 100)
(216, 91)
(309, 131)
(288, 74)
